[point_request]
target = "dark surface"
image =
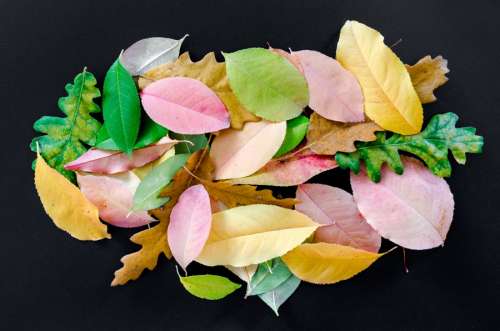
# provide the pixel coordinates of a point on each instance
(52, 282)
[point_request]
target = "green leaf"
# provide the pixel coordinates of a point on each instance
(149, 133)
(266, 84)
(210, 287)
(276, 297)
(65, 137)
(121, 107)
(268, 276)
(199, 141)
(430, 145)
(296, 130)
(146, 195)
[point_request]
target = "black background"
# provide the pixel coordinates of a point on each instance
(50, 281)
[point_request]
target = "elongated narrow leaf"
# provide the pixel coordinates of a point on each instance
(209, 287)
(390, 99)
(184, 105)
(277, 296)
(266, 84)
(269, 277)
(146, 196)
(296, 130)
(148, 53)
(253, 234)
(336, 209)
(239, 153)
(189, 143)
(121, 107)
(66, 205)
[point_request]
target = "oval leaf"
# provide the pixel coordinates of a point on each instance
(334, 92)
(277, 296)
(184, 105)
(413, 210)
(66, 205)
(289, 172)
(266, 84)
(239, 153)
(269, 277)
(112, 195)
(254, 234)
(189, 226)
(121, 107)
(148, 53)
(390, 99)
(324, 263)
(210, 287)
(336, 209)
(296, 130)
(110, 162)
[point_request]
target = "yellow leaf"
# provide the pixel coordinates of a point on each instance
(66, 205)
(427, 75)
(324, 263)
(209, 72)
(390, 99)
(253, 234)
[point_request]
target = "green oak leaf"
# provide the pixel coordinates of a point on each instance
(210, 287)
(65, 137)
(268, 276)
(149, 133)
(121, 107)
(266, 84)
(277, 296)
(198, 141)
(431, 145)
(296, 130)
(146, 194)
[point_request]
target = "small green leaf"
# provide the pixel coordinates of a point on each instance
(431, 145)
(199, 141)
(146, 195)
(268, 276)
(266, 84)
(210, 287)
(65, 137)
(277, 296)
(296, 130)
(121, 107)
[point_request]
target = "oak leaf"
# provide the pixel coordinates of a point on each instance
(427, 75)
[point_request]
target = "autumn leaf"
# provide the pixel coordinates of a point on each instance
(209, 287)
(427, 75)
(209, 72)
(327, 137)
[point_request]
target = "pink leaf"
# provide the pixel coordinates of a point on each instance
(184, 105)
(189, 227)
(289, 171)
(239, 153)
(334, 92)
(336, 209)
(293, 59)
(113, 197)
(112, 162)
(413, 210)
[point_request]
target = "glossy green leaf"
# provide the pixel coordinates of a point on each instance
(146, 195)
(149, 133)
(266, 84)
(198, 141)
(276, 297)
(296, 130)
(65, 137)
(210, 287)
(431, 145)
(121, 107)
(268, 276)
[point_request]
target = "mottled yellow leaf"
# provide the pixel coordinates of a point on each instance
(66, 205)
(324, 263)
(390, 98)
(253, 234)
(211, 73)
(427, 75)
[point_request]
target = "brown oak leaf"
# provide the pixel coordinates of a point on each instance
(427, 75)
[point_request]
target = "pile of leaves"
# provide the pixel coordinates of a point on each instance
(188, 151)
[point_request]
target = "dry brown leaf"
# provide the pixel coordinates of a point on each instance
(211, 73)
(427, 75)
(327, 137)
